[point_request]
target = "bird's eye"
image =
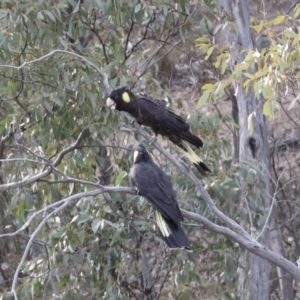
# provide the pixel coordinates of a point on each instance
(117, 97)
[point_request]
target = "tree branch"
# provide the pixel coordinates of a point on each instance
(50, 167)
(62, 204)
(151, 20)
(235, 232)
(46, 56)
(291, 141)
(100, 190)
(250, 244)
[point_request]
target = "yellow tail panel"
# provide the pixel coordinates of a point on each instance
(162, 225)
(194, 158)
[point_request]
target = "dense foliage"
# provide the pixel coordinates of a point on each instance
(59, 142)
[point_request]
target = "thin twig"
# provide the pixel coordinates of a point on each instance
(23, 160)
(247, 205)
(270, 212)
(100, 39)
(127, 40)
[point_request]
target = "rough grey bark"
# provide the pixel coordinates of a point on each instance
(285, 279)
(254, 272)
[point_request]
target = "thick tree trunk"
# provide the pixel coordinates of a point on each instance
(254, 271)
(284, 278)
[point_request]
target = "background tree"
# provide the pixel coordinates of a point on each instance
(253, 144)
(70, 226)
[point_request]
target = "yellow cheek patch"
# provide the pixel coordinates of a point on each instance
(125, 97)
(162, 225)
(135, 155)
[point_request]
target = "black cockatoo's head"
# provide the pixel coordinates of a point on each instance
(140, 154)
(120, 98)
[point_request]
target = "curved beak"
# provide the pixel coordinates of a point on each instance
(111, 103)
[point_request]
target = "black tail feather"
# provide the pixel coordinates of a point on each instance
(177, 237)
(191, 138)
(202, 168)
(193, 157)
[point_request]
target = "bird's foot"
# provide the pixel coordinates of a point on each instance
(136, 190)
(152, 139)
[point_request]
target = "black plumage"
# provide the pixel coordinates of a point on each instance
(152, 183)
(156, 115)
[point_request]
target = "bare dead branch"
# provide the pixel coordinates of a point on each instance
(95, 32)
(291, 141)
(143, 38)
(148, 65)
(127, 41)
